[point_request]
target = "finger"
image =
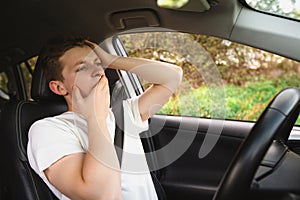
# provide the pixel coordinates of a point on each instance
(103, 79)
(97, 49)
(103, 82)
(76, 93)
(105, 57)
(91, 43)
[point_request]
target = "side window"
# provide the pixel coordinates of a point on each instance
(8, 85)
(286, 8)
(221, 79)
(27, 68)
(4, 91)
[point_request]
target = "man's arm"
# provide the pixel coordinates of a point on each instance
(165, 79)
(95, 174)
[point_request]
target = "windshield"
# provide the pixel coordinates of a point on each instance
(287, 8)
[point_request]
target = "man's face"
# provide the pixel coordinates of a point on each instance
(81, 67)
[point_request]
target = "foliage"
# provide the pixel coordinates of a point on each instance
(172, 3)
(242, 103)
(287, 8)
(3, 82)
(239, 64)
(251, 77)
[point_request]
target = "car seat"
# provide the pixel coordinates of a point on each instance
(17, 180)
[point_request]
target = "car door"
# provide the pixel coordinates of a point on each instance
(194, 137)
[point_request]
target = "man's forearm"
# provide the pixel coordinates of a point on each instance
(100, 143)
(88, 175)
(155, 72)
(165, 74)
(101, 167)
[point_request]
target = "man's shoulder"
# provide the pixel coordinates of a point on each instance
(66, 124)
(66, 118)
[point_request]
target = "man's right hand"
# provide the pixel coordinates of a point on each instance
(96, 104)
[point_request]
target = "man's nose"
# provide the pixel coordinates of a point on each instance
(97, 70)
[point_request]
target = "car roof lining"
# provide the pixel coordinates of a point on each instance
(36, 21)
(41, 19)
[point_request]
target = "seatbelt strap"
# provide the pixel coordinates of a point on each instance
(161, 194)
(118, 110)
(119, 135)
(117, 97)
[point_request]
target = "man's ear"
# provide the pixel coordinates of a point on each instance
(58, 88)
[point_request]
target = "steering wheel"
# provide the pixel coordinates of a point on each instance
(275, 123)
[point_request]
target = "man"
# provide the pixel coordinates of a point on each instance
(74, 152)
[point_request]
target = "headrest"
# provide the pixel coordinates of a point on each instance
(40, 87)
(40, 90)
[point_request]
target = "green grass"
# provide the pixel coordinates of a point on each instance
(241, 102)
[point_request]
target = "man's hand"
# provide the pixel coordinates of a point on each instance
(165, 78)
(105, 57)
(96, 104)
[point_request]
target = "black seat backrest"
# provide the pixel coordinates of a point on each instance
(17, 180)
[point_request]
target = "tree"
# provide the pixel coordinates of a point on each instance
(287, 8)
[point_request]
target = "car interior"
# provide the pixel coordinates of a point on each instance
(246, 159)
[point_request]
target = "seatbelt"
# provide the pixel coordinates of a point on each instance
(117, 108)
(160, 192)
(119, 136)
(117, 97)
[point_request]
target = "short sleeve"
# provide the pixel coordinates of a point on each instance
(132, 114)
(49, 141)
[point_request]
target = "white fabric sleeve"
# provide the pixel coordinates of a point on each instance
(49, 141)
(132, 116)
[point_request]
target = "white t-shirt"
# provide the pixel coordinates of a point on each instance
(52, 138)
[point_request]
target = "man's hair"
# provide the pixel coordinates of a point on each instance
(53, 50)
